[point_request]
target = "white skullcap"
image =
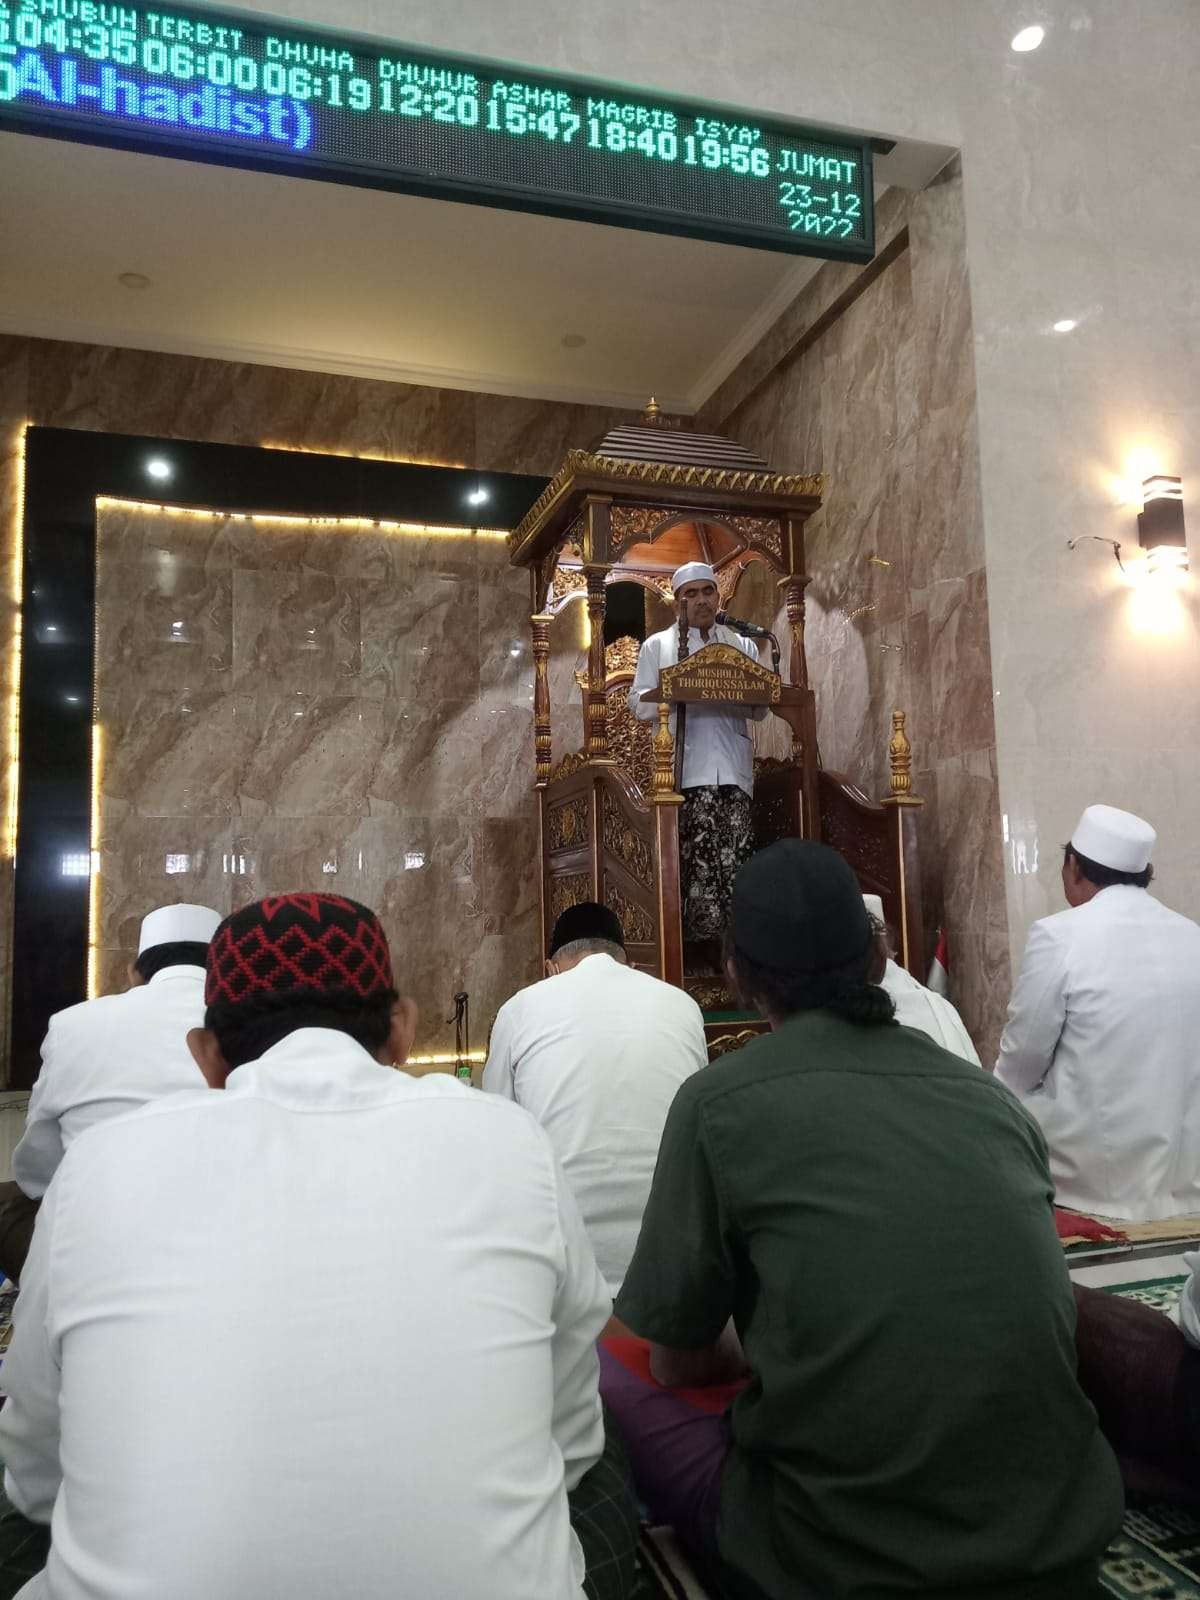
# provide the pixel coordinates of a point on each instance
(178, 925)
(692, 572)
(874, 907)
(1113, 838)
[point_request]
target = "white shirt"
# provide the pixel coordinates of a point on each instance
(716, 741)
(1102, 1045)
(596, 1054)
(331, 1331)
(1189, 1301)
(105, 1057)
(918, 1007)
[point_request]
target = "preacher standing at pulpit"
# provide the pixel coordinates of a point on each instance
(716, 830)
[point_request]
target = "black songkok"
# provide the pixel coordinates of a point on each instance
(797, 907)
(587, 920)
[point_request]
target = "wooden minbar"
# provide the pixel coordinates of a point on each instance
(645, 500)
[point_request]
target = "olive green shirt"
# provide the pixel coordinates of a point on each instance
(876, 1216)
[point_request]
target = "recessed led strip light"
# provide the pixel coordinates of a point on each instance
(17, 595)
(421, 530)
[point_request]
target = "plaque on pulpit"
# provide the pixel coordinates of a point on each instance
(718, 672)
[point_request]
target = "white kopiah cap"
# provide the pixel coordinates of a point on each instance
(692, 572)
(1113, 838)
(874, 907)
(178, 925)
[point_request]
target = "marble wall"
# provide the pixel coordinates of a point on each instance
(430, 740)
(293, 707)
(883, 400)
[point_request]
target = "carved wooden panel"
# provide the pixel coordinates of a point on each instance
(637, 524)
(567, 890)
(567, 825)
(626, 845)
(777, 787)
(635, 919)
(859, 830)
(574, 761)
(722, 1043)
(766, 532)
(630, 742)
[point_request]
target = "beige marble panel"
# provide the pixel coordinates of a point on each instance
(297, 763)
(295, 632)
(534, 435)
(152, 861)
(170, 755)
(420, 636)
(311, 755)
(430, 761)
(165, 624)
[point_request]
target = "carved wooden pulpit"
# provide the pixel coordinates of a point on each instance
(647, 499)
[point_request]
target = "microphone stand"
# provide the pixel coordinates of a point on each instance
(462, 1036)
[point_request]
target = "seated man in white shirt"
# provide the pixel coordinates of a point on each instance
(328, 1332)
(596, 1052)
(107, 1056)
(916, 1006)
(1100, 1045)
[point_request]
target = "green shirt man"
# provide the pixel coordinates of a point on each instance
(875, 1215)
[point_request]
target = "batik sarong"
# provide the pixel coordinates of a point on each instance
(716, 834)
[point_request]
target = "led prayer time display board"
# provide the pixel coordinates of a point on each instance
(251, 91)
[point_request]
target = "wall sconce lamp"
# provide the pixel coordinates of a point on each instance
(1161, 531)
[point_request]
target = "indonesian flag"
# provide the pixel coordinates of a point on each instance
(939, 967)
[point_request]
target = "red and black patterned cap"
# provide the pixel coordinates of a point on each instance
(307, 945)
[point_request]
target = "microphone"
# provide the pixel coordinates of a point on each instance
(748, 630)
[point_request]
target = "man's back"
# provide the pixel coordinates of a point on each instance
(597, 1054)
(105, 1057)
(877, 1216)
(1119, 979)
(919, 1007)
(328, 1332)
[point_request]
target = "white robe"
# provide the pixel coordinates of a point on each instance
(918, 1007)
(104, 1057)
(596, 1055)
(1102, 1045)
(331, 1331)
(717, 748)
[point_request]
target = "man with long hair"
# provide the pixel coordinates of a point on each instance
(873, 1216)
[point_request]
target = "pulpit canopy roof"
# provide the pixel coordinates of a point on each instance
(660, 465)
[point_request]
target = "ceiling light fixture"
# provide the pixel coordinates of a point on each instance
(1065, 325)
(573, 341)
(477, 497)
(1028, 38)
(158, 468)
(133, 280)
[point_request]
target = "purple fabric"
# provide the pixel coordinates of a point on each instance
(676, 1453)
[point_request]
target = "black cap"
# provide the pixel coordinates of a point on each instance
(587, 920)
(797, 907)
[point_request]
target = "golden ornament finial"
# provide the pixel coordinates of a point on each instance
(900, 756)
(653, 410)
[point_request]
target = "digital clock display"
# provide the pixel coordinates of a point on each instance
(240, 88)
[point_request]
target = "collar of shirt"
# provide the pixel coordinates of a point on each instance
(188, 970)
(321, 1067)
(896, 977)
